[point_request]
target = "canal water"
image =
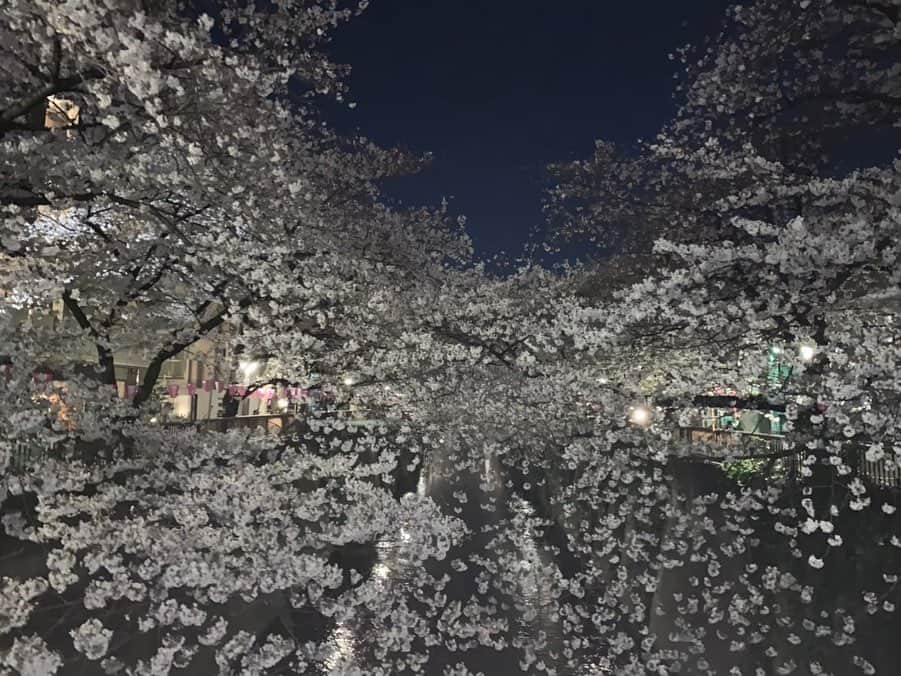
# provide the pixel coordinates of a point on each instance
(489, 607)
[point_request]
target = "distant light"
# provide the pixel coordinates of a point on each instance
(348, 380)
(381, 571)
(603, 381)
(807, 352)
(248, 367)
(640, 415)
(283, 403)
(154, 420)
(776, 349)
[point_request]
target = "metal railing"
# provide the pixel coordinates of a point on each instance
(263, 424)
(879, 473)
(737, 441)
(273, 423)
(737, 444)
(25, 451)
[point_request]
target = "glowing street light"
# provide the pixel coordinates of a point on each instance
(348, 380)
(640, 416)
(807, 352)
(248, 368)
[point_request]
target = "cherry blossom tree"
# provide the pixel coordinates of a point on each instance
(166, 176)
(761, 230)
(146, 217)
(563, 520)
(801, 84)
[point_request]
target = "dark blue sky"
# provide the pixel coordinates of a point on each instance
(497, 89)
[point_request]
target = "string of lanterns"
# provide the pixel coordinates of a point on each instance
(267, 393)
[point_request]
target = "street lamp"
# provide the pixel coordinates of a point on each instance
(248, 368)
(640, 416)
(807, 352)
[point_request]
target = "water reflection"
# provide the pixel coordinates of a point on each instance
(490, 606)
(341, 656)
(422, 485)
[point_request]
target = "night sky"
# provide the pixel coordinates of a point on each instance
(498, 89)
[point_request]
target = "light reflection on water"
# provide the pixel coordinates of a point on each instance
(380, 571)
(422, 486)
(340, 659)
(520, 570)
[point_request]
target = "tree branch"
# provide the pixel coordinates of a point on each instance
(154, 368)
(105, 356)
